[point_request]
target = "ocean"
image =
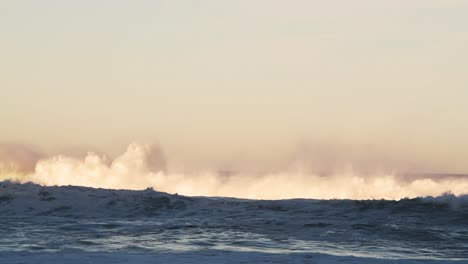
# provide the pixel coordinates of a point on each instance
(68, 224)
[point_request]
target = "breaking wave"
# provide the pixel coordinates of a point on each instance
(143, 166)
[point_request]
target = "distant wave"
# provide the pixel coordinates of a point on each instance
(34, 199)
(143, 166)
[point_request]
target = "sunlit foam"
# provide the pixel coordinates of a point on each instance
(143, 166)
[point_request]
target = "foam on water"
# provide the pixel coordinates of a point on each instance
(43, 218)
(143, 166)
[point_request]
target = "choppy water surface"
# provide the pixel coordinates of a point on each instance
(36, 219)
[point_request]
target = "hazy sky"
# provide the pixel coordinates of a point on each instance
(245, 78)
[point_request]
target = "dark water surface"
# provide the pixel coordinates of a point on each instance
(48, 220)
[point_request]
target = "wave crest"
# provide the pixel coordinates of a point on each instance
(143, 166)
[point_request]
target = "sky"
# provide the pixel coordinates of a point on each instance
(232, 83)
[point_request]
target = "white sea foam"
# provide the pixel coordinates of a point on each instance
(143, 166)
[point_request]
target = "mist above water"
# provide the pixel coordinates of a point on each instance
(142, 166)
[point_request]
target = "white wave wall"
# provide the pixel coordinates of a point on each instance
(143, 166)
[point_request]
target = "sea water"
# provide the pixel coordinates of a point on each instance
(85, 225)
